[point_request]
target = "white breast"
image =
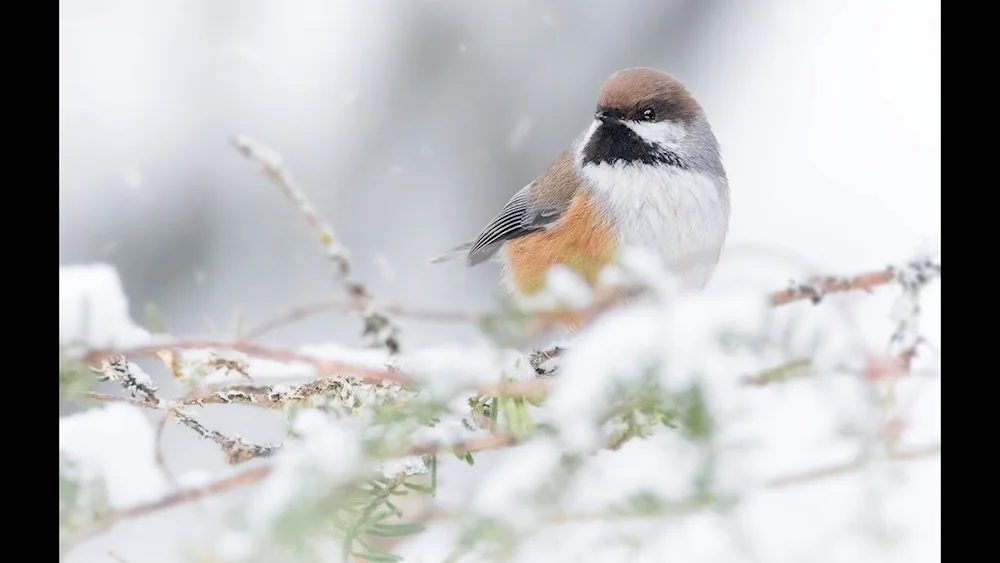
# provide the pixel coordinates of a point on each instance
(681, 215)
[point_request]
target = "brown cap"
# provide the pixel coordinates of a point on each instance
(628, 93)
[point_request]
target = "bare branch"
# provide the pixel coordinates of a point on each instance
(241, 479)
(492, 442)
(265, 396)
(270, 164)
(305, 311)
(915, 272)
(834, 470)
(104, 397)
(815, 290)
(688, 507)
(545, 321)
(235, 449)
(160, 459)
(117, 368)
(377, 325)
(324, 368)
(252, 476)
(257, 474)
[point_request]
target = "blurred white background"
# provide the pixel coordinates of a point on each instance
(410, 123)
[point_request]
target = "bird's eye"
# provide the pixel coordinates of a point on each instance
(648, 114)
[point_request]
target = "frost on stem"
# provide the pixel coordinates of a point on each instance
(139, 385)
(542, 360)
(271, 165)
(378, 326)
(917, 272)
(130, 376)
(913, 276)
(407, 466)
(566, 448)
(346, 395)
(235, 449)
(193, 367)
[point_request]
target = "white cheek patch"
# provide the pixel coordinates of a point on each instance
(661, 133)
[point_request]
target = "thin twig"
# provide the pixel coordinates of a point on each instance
(324, 368)
(257, 474)
(540, 387)
(377, 324)
(820, 287)
(543, 321)
(160, 459)
(252, 476)
(117, 368)
(815, 290)
(241, 479)
(305, 311)
(270, 164)
(106, 398)
(492, 442)
(840, 469)
(546, 321)
(265, 396)
(235, 449)
(691, 506)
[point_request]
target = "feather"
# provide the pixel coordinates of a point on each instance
(532, 208)
(453, 253)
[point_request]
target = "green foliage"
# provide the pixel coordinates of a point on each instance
(492, 539)
(696, 421)
(799, 367)
(154, 320)
(640, 410)
(394, 422)
(75, 381)
(368, 513)
(82, 503)
(356, 513)
(643, 503)
(515, 412)
(508, 326)
(466, 457)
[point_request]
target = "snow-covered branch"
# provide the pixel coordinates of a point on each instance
(134, 380)
(664, 404)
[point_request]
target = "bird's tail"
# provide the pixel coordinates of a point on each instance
(453, 253)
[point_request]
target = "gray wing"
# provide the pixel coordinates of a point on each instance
(522, 215)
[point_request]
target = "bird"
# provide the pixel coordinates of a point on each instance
(646, 172)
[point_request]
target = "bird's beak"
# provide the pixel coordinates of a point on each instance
(602, 116)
